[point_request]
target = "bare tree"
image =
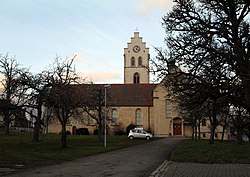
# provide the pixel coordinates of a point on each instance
(202, 31)
(13, 92)
(63, 98)
(94, 105)
(240, 119)
(203, 91)
(39, 86)
(210, 41)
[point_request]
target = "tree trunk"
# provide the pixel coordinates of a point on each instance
(248, 132)
(223, 132)
(246, 82)
(193, 132)
(213, 127)
(213, 122)
(199, 129)
(239, 128)
(100, 123)
(211, 141)
(224, 128)
(100, 132)
(239, 135)
(38, 123)
(7, 126)
(7, 122)
(63, 136)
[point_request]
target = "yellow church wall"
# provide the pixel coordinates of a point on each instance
(127, 115)
(205, 131)
(188, 131)
(161, 120)
(54, 127)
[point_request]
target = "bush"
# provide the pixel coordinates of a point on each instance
(120, 132)
(129, 127)
(95, 132)
(82, 131)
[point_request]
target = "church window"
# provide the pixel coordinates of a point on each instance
(203, 122)
(133, 61)
(136, 78)
(139, 61)
(68, 122)
(138, 117)
(114, 120)
(168, 107)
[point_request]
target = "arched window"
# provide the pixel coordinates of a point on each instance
(136, 78)
(203, 122)
(90, 120)
(133, 61)
(138, 117)
(114, 120)
(139, 61)
(168, 107)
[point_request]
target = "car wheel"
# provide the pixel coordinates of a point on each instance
(147, 138)
(131, 137)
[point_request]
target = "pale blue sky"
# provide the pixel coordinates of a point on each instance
(36, 31)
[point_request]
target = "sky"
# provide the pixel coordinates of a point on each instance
(35, 32)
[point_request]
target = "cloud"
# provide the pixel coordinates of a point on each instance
(101, 76)
(145, 7)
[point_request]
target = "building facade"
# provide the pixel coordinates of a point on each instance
(138, 102)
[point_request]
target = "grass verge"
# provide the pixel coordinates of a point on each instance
(220, 152)
(17, 151)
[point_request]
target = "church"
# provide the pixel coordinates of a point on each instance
(139, 102)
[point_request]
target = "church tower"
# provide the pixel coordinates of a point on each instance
(136, 61)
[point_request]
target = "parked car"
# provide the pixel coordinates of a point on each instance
(139, 133)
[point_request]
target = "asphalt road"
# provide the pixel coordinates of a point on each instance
(136, 161)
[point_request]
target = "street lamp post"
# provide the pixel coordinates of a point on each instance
(105, 120)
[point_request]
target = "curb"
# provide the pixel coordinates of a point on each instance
(161, 169)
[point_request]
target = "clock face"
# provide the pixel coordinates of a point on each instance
(136, 48)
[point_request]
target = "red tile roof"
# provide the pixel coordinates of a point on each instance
(131, 94)
(124, 94)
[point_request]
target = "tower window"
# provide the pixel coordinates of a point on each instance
(136, 78)
(133, 61)
(139, 61)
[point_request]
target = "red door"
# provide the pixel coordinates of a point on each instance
(177, 128)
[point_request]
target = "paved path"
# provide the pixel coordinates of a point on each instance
(176, 169)
(145, 160)
(136, 161)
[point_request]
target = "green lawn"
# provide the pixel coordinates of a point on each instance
(220, 152)
(18, 151)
